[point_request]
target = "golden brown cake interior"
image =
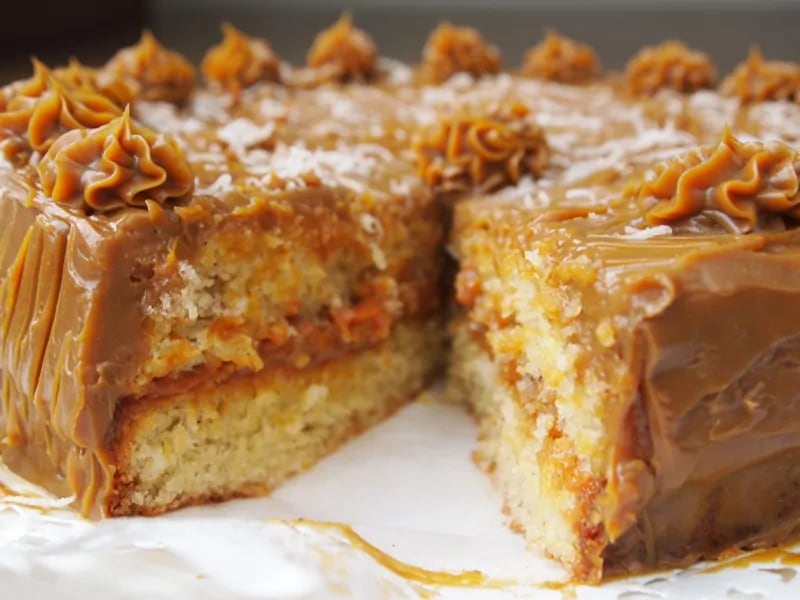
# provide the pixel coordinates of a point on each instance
(225, 248)
(631, 382)
(246, 435)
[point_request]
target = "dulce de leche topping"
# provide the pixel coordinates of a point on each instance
(44, 108)
(482, 150)
(740, 179)
(451, 49)
(147, 71)
(757, 80)
(77, 75)
(669, 65)
(558, 58)
(117, 165)
(348, 52)
(240, 61)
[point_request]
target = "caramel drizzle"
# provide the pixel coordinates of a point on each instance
(768, 556)
(742, 180)
(407, 571)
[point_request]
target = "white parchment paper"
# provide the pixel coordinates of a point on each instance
(408, 487)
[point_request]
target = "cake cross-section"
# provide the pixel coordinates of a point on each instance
(634, 365)
(197, 311)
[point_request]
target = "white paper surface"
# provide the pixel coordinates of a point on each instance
(408, 486)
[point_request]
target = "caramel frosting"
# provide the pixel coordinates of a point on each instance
(113, 166)
(758, 80)
(676, 320)
(44, 108)
(683, 329)
(147, 71)
(716, 415)
(240, 61)
(486, 151)
(344, 52)
(34, 86)
(77, 75)
(741, 180)
(72, 345)
(670, 65)
(559, 58)
(450, 50)
(76, 343)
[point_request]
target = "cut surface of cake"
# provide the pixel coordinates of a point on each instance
(199, 310)
(627, 340)
(205, 288)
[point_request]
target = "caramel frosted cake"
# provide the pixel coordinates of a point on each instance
(206, 287)
(204, 290)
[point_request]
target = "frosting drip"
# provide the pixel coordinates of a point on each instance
(240, 61)
(147, 71)
(741, 180)
(485, 151)
(669, 65)
(349, 53)
(117, 165)
(450, 50)
(558, 58)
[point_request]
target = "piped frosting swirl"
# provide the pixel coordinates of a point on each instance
(147, 71)
(743, 180)
(484, 150)
(670, 65)
(558, 58)
(120, 164)
(757, 80)
(37, 112)
(450, 50)
(77, 75)
(346, 52)
(240, 61)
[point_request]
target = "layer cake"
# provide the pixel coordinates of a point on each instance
(196, 313)
(627, 339)
(206, 288)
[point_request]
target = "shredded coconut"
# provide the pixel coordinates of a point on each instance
(632, 233)
(240, 134)
(210, 107)
(220, 185)
(370, 224)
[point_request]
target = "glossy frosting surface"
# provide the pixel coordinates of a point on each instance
(687, 232)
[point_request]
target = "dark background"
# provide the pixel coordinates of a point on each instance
(93, 29)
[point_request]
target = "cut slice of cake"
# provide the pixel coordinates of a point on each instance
(624, 339)
(199, 315)
(633, 365)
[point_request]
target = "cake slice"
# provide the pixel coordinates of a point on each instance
(633, 364)
(197, 313)
(626, 272)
